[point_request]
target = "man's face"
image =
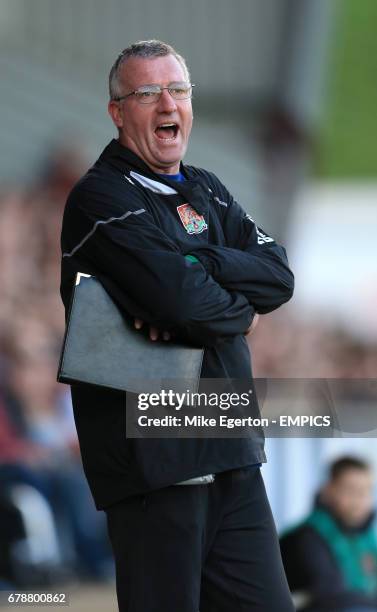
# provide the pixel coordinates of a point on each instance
(350, 496)
(139, 124)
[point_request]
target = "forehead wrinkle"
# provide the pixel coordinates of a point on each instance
(131, 79)
(170, 84)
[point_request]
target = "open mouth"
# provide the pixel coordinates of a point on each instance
(167, 131)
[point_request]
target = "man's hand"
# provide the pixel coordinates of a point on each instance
(253, 325)
(154, 333)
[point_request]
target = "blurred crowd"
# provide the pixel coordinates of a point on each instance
(39, 454)
(290, 346)
(49, 530)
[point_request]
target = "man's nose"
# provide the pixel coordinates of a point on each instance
(166, 102)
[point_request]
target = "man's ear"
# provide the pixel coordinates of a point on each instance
(326, 492)
(115, 112)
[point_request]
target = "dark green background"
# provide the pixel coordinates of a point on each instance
(347, 139)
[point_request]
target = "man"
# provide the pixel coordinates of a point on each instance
(177, 253)
(332, 555)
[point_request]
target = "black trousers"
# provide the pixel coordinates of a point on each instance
(212, 548)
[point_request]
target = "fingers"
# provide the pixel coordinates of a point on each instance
(154, 333)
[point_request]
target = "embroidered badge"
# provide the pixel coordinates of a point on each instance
(192, 221)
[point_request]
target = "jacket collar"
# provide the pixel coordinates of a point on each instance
(319, 504)
(125, 160)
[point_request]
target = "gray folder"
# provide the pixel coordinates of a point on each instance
(101, 347)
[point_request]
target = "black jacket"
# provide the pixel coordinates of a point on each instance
(132, 229)
(311, 566)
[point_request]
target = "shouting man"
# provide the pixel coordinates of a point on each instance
(180, 255)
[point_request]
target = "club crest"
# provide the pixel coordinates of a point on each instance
(191, 220)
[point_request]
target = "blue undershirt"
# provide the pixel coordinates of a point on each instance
(174, 177)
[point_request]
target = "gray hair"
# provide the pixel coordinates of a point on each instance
(145, 49)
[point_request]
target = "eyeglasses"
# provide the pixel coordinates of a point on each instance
(147, 94)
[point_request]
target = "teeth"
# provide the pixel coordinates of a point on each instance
(167, 125)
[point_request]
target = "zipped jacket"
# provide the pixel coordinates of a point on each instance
(185, 258)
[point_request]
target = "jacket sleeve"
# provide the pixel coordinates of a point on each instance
(128, 248)
(251, 263)
(310, 567)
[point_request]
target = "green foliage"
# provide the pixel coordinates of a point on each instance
(348, 136)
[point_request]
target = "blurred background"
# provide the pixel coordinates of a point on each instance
(285, 114)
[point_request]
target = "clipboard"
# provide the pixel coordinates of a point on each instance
(101, 347)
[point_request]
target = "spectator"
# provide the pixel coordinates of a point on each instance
(40, 447)
(332, 554)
